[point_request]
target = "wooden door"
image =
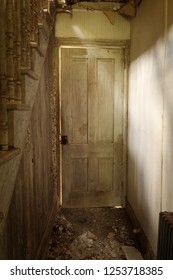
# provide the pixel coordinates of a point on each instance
(92, 119)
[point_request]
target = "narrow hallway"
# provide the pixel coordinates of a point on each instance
(86, 120)
(91, 233)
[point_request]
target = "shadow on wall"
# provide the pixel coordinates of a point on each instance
(147, 27)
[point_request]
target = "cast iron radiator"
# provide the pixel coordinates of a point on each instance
(165, 236)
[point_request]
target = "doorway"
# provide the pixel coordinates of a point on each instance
(92, 106)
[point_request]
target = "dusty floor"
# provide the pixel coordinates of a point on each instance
(90, 233)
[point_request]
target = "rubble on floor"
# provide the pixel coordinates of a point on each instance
(90, 233)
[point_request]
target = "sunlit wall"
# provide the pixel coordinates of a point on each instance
(150, 121)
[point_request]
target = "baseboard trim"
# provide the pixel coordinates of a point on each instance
(144, 244)
(44, 242)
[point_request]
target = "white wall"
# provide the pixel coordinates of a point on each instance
(167, 197)
(150, 132)
(91, 25)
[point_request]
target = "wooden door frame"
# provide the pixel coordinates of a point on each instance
(124, 45)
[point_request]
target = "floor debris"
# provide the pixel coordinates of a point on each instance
(90, 233)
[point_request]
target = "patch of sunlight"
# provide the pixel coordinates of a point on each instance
(78, 31)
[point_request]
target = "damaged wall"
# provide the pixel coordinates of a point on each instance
(150, 133)
(34, 201)
(91, 25)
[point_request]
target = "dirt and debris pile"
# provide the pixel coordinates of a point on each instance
(90, 233)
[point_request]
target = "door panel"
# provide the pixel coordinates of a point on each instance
(78, 106)
(105, 91)
(92, 118)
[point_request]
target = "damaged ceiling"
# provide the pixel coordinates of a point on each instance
(109, 7)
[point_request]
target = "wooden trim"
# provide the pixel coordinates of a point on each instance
(125, 121)
(146, 249)
(44, 242)
(18, 106)
(76, 42)
(36, 47)
(123, 45)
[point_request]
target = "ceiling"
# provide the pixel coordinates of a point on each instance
(124, 7)
(114, 1)
(72, 2)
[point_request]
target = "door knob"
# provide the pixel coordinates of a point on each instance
(64, 140)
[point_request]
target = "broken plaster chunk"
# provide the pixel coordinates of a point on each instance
(123, 228)
(110, 15)
(91, 235)
(113, 254)
(111, 235)
(88, 238)
(130, 242)
(89, 243)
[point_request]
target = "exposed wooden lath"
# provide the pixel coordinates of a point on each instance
(72, 2)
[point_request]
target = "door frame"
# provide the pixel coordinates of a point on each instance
(124, 45)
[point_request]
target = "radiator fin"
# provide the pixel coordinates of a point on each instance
(165, 236)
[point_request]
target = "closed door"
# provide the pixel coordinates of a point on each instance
(92, 119)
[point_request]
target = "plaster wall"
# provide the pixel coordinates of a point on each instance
(167, 189)
(150, 133)
(91, 25)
